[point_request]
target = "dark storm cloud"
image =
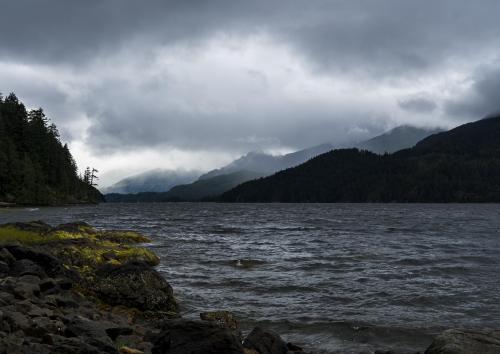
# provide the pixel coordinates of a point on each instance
(482, 99)
(378, 36)
(375, 41)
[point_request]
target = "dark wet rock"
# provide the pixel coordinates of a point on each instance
(135, 285)
(4, 268)
(64, 345)
(265, 342)
(158, 315)
(195, 337)
(16, 320)
(222, 318)
(456, 341)
(50, 265)
(24, 290)
(114, 332)
(292, 348)
(64, 283)
(27, 267)
(91, 332)
(6, 256)
(133, 341)
(47, 284)
(30, 279)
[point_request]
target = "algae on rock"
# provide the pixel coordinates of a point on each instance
(111, 267)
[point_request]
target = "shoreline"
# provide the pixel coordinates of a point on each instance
(82, 287)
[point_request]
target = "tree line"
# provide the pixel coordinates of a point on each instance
(35, 166)
(461, 165)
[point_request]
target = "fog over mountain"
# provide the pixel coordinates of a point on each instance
(264, 164)
(459, 165)
(396, 139)
(249, 167)
(152, 181)
(194, 85)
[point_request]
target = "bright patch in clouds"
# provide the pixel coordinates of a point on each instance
(197, 85)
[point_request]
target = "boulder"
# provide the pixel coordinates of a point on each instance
(195, 337)
(64, 345)
(6, 256)
(51, 265)
(114, 332)
(135, 285)
(224, 319)
(454, 341)
(221, 318)
(90, 332)
(26, 267)
(4, 269)
(265, 342)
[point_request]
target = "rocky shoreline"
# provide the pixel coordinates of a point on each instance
(75, 289)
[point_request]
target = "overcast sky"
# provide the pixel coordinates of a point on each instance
(136, 85)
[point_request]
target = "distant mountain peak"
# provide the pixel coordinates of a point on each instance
(459, 165)
(156, 180)
(398, 138)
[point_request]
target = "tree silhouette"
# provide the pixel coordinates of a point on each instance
(35, 167)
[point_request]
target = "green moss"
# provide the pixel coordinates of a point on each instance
(87, 258)
(10, 234)
(125, 236)
(90, 248)
(133, 253)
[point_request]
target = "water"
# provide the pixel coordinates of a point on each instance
(331, 277)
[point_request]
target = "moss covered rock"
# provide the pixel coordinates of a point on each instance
(135, 285)
(109, 265)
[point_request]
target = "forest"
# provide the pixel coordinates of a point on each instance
(460, 165)
(36, 168)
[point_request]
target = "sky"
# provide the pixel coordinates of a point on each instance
(138, 85)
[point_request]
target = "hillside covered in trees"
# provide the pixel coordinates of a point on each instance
(460, 165)
(35, 167)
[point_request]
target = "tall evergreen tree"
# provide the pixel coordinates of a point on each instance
(35, 167)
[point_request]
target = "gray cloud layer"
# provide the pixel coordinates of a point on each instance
(237, 75)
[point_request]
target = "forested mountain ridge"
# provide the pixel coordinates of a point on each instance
(157, 180)
(202, 189)
(460, 165)
(265, 164)
(258, 164)
(401, 137)
(35, 167)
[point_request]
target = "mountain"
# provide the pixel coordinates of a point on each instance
(399, 138)
(199, 190)
(210, 187)
(266, 164)
(35, 167)
(460, 165)
(152, 181)
(252, 166)
(212, 184)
